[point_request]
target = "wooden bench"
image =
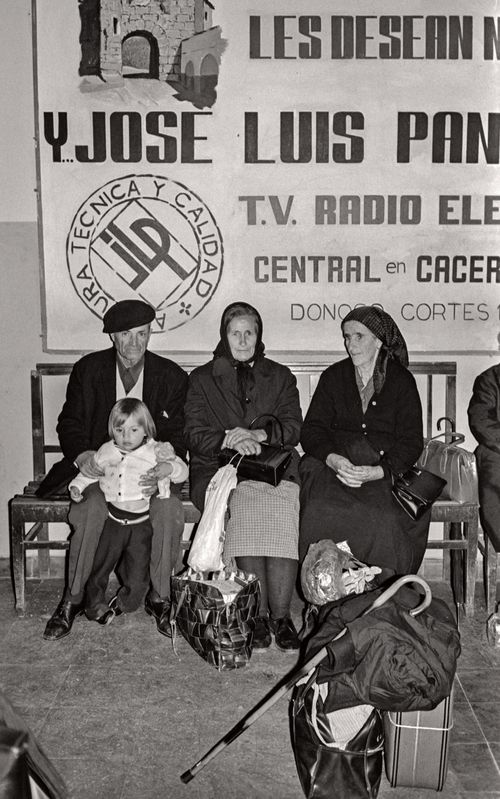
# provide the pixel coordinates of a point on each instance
(29, 516)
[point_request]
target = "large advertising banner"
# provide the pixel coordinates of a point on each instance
(303, 157)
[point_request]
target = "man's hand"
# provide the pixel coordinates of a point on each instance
(86, 463)
(75, 494)
(149, 481)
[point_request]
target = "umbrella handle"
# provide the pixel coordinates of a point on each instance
(396, 585)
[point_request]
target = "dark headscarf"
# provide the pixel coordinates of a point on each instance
(244, 374)
(386, 330)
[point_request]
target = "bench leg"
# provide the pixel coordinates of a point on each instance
(447, 555)
(43, 553)
(456, 559)
(18, 563)
(471, 532)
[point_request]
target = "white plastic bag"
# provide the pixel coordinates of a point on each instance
(205, 553)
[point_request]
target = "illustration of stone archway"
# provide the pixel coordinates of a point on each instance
(140, 55)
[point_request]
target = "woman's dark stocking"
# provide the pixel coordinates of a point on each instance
(262, 631)
(257, 565)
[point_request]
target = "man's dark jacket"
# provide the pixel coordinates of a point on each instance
(90, 395)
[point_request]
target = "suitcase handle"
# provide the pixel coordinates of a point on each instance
(389, 592)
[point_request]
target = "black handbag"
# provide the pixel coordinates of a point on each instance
(267, 467)
(325, 770)
(416, 490)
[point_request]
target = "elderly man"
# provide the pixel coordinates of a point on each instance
(484, 422)
(97, 380)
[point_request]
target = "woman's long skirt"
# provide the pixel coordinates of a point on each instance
(376, 528)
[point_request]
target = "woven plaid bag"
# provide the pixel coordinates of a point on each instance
(215, 612)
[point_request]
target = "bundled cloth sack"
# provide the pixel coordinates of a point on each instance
(330, 571)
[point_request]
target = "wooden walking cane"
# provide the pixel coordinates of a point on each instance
(308, 666)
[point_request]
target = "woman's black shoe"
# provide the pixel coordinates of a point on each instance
(261, 634)
(285, 634)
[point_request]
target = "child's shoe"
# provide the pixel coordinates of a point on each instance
(113, 610)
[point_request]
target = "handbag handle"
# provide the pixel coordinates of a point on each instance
(456, 438)
(275, 418)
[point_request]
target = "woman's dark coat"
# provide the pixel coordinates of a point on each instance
(213, 406)
(390, 434)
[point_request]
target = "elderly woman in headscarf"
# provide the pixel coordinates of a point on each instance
(228, 403)
(364, 424)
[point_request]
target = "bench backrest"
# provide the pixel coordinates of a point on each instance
(436, 382)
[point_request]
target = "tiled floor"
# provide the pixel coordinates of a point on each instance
(122, 716)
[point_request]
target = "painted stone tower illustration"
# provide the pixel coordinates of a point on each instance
(166, 40)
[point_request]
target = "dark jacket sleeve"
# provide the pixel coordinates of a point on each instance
(318, 436)
(285, 405)
(73, 430)
(203, 436)
(484, 409)
(408, 440)
(168, 408)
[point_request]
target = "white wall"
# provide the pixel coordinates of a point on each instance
(20, 340)
(20, 346)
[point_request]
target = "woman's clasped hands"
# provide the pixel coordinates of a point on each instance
(244, 441)
(351, 475)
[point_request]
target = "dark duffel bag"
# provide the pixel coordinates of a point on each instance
(326, 768)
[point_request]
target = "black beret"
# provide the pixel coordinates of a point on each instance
(127, 314)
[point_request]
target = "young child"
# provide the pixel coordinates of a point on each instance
(125, 542)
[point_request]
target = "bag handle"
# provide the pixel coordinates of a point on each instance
(456, 438)
(275, 418)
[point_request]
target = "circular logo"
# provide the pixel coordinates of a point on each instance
(150, 238)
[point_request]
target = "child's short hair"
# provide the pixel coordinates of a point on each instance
(129, 406)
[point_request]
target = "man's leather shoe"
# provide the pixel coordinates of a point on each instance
(160, 610)
(285, 634)
(60, 623)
